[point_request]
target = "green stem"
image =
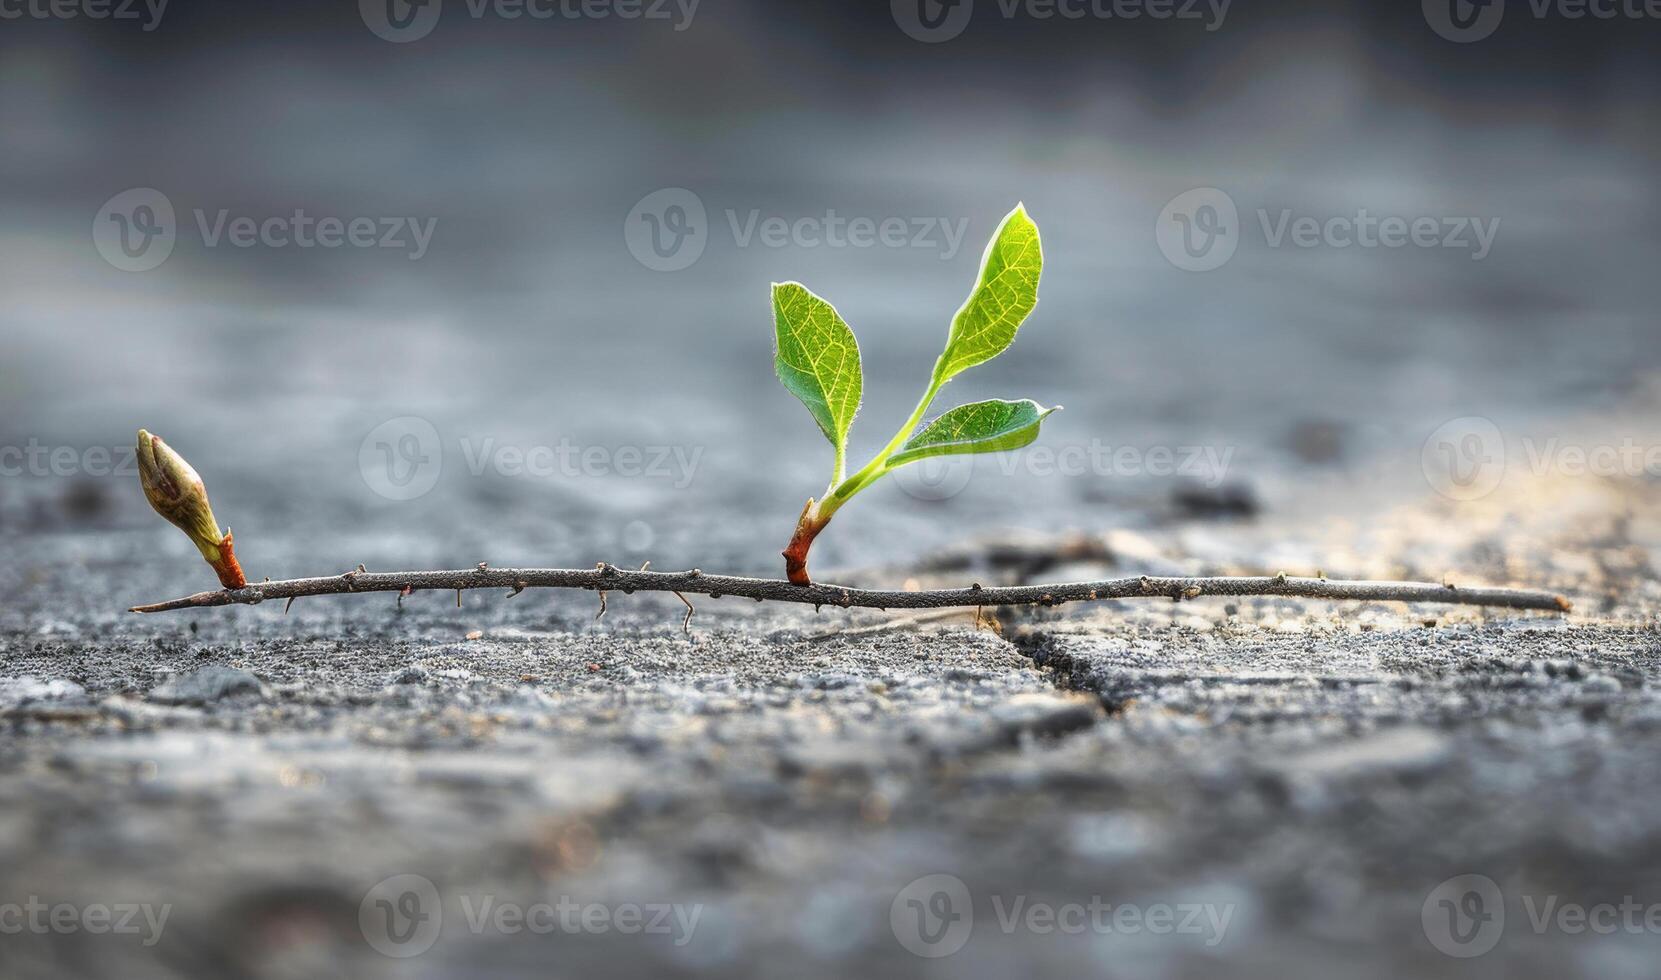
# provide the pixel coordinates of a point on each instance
(843, 490)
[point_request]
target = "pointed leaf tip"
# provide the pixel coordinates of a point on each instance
(990, 426)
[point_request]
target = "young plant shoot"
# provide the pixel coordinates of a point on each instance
(818, 361)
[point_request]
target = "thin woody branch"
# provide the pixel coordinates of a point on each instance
(608, 578)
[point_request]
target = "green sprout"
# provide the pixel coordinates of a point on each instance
(818, 361)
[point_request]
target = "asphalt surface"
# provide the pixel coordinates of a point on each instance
(1250, 787)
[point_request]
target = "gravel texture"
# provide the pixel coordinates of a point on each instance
(1260, 787)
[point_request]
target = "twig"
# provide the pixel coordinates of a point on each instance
(604, 578)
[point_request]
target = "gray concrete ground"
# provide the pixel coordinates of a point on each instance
(1255, 788)
(1259, 789)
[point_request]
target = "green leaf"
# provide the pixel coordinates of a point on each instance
(992, 426)
(817, 359)
(1002, 299)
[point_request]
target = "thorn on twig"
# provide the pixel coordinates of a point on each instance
(458, 598)
(288, 605)
(518, 587)
(407, 590)
(686, 624)
(646, 564)
(601, 614)
(1280, 578)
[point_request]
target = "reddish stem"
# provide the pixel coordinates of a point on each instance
(808, 527)
(230, 573)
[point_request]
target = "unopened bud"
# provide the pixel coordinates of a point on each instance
(176, 492)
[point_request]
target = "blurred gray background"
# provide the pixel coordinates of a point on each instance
(537, 384)
(524, 145)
